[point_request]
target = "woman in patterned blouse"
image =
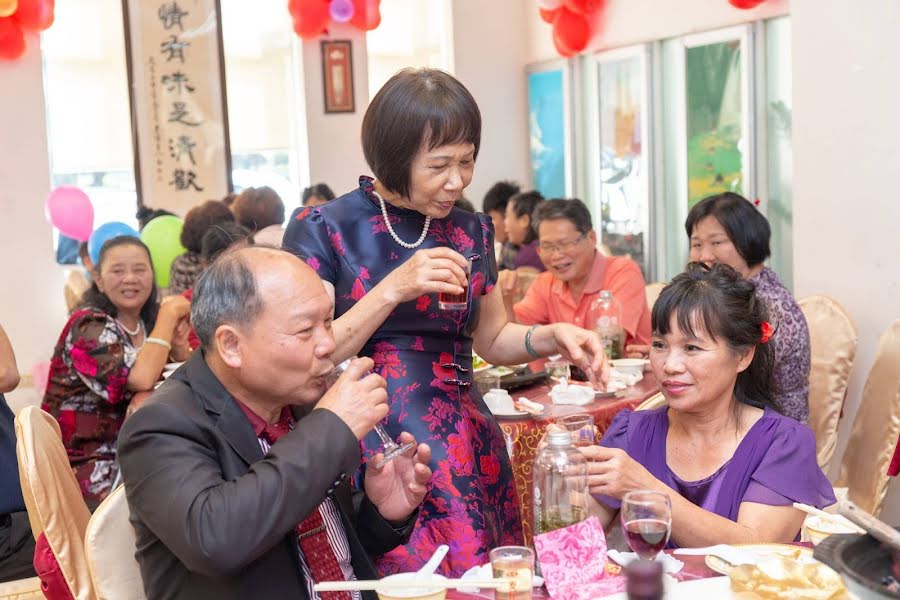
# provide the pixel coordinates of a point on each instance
(727, 228)
(114, 346)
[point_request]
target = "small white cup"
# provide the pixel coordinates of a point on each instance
(498, 400)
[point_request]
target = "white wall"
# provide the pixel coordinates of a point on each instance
(846, 132)
(627, 22)
(335, 151)
(489, 50)
(32, 308)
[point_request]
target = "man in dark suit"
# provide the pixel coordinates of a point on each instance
(219, 508)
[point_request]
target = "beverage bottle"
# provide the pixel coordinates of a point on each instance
(606, 313)
(560, 484)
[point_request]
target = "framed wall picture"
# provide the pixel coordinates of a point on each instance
(179, 116)
(337, 76)
(549, 128)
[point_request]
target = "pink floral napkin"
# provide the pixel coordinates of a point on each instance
(573, 562)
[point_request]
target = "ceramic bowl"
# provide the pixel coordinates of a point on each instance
(419, 593)
(630, 366)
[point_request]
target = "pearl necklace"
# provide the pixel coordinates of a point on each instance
(393, 233)
(137, 330)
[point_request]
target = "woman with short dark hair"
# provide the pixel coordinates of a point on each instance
(317, 195)
(386, 250)
(258, 208)
(730, 463)
(727, 228)
(186, 268)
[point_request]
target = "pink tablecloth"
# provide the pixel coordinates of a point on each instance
(694, 568)
(523, 434)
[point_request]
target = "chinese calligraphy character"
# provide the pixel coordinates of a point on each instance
(171, 16)
(177, 81)
(175, 48)
(179, 114)
(183, 180)
(183, 146)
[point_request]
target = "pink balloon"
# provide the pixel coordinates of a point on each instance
(40, 373)
(341, 11)
(70, 210)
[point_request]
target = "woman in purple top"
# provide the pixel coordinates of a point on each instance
(727, 228)
(730, 463)
(520, 231)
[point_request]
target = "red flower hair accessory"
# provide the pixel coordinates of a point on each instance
(767, 332)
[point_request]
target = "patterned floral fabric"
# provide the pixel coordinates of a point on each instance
(183, 273)
(425, 355)
(87, 394)
(791, 339)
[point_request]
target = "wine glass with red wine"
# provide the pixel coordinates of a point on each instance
(647, 522)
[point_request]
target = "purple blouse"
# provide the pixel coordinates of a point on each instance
(775, 463)
(791, 339)
(528, 257)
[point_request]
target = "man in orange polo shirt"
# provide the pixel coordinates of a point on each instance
(576, 272)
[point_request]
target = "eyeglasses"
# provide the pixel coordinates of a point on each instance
(561, 246)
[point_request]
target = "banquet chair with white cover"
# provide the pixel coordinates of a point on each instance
(109, 545)
(652, 291)
(833, 341)
(875, 429)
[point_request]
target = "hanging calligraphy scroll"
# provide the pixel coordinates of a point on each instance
(179, 118)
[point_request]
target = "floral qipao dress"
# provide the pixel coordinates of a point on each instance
(425, 355)
(87, 394)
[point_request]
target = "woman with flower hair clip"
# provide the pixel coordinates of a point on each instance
(730, 462)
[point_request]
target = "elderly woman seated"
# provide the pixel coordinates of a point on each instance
(731, 464)
(114, 346)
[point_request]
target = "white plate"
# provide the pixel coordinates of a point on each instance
(763, 551)
(514, 414)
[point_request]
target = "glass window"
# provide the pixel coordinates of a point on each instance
(88, 114)
(624, 195)
(778, 202)
(716, 124)
(262, 68)
(413, 33)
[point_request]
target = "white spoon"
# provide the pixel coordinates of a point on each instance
(433, 563)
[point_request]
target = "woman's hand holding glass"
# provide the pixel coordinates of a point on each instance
(611, 472)
(429, 271)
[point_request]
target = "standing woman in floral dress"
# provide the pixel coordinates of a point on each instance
(386, 249)
(114, 345)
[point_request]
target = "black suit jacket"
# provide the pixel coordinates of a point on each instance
(215, 518)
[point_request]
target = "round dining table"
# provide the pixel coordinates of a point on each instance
(524, 433)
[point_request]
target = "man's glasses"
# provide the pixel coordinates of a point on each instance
(561, 246)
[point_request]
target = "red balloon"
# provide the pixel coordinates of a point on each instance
(571, 32)
(12, 39)
(35, 15)
(584, 7)
(548, 16)
(745, 4)
(366, 14)
(310, 18)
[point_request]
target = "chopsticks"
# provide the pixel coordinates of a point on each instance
(371, 584)
(836, 519)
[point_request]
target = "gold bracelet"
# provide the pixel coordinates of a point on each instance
(158, 342)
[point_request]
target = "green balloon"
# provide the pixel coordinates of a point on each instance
(163, 236)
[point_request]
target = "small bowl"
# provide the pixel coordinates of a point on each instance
(630, 366)
(818, 529)
(425, 592)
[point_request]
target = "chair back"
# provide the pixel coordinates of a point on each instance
(875, 429)
(833, 341)
(653, 402)
(653, 290)
(53, 497)
(110, 545)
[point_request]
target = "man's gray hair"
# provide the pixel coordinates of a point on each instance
(572, 210)
(225, 293)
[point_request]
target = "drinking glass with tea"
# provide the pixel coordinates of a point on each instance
(448, 301)
(647, 522)
(515, 564)
(582, 427)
